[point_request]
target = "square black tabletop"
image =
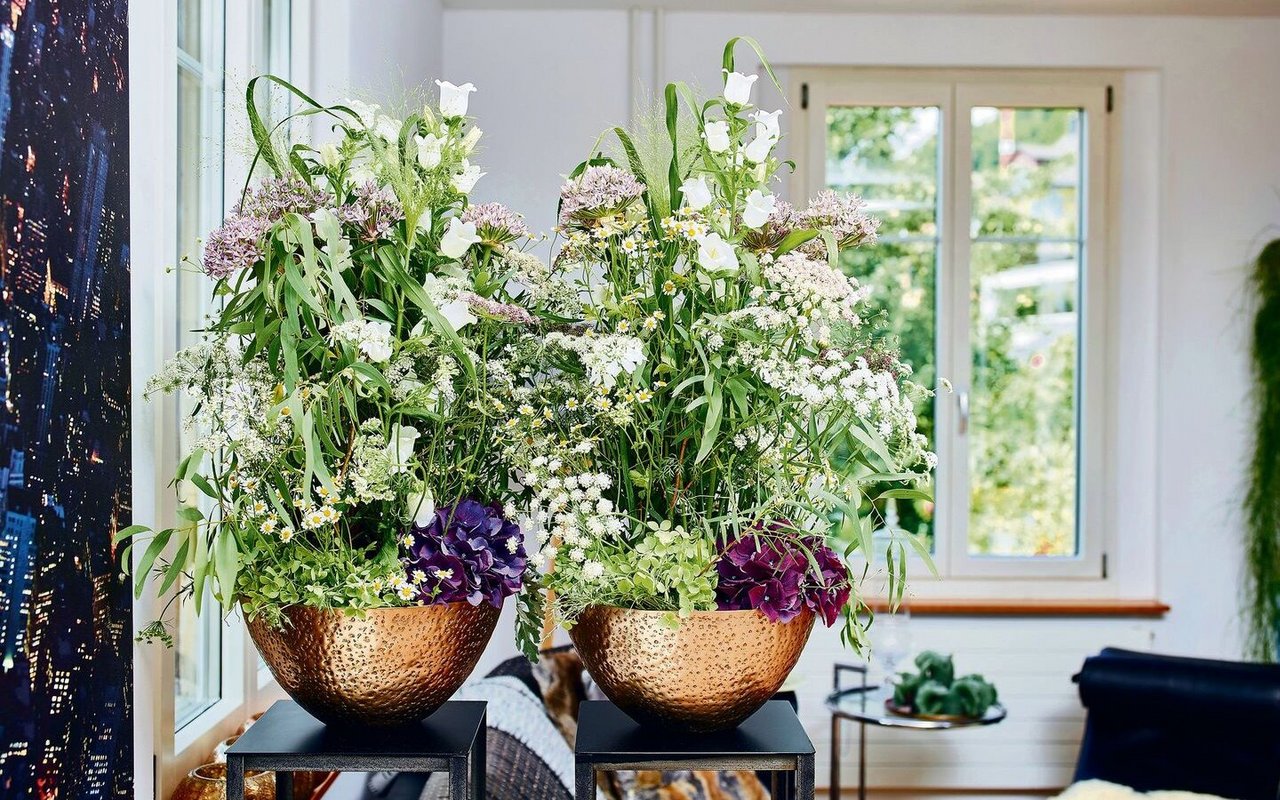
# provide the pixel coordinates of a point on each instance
(288, 730)
(606, 733)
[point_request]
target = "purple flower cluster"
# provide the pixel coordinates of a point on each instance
(272, 198)
(845, 215)
(467, 552)
(373, 210)
(234, 246)
(495, 223)
(598, 190)
(770, 571)
(506, 312)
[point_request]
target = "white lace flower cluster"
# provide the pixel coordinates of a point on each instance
(570, 509)
(605, 356)
(233, 400)
(371, 337)
(813, 294)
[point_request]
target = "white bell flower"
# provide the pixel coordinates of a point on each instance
(422, 507)
(400, 446)
(465, 180)
(737, 87)
(330, 156)
(458, 314)
(388, 129)
(697, 195)
(768, 120)
(429, 149)
(758, 150)
(458, 238)
(759, 207)
(454, 99)
(717, 136)
(716, 255)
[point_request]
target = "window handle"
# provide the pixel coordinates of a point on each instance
(962, 404)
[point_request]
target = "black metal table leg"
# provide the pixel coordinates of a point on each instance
(834, 790)
(478, 756)
(284, 785)
(804, 777)
(235, 778)
(862, 761)
(584, 782)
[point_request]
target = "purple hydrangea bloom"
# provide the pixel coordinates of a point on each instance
(771, 572)
(467, 552)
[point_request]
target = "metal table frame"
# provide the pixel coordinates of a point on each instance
(287, 739)
(772, 739)
(881, 719)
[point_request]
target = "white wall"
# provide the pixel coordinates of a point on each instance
(1202, 139)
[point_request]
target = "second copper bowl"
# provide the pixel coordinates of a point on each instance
(710, 673)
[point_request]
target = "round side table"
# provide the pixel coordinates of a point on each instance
(866, 705)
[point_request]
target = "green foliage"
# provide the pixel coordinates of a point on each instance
(1262, 502)
(936, 690)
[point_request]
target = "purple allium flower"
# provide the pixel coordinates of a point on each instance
(373, 210)
(504, 311)
(598, 190)
(770, 571)
(234, 246)
(272, 198)
(467, 552)
(495, 223)
(844, 215)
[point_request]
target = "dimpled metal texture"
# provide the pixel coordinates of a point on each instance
(389, 667)
(709, 674)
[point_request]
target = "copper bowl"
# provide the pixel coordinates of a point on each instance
(710, 673)
(209, 782)
(383, 668)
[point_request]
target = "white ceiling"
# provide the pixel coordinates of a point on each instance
(1248, 8)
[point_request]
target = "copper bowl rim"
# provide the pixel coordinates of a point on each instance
(356, 612)
(700, 613)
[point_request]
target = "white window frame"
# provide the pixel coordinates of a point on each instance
(955, 93)
(163, 755)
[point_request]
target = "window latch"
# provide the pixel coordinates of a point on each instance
(962, 405)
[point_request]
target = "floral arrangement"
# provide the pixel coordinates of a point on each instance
(348, 392)
(714, 396)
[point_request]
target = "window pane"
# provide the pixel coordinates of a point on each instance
(889, 156)
(1026, 172)
(197, 641)
(1025, 270)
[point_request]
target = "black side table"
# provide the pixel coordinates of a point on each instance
(771, 739)
(287, 738)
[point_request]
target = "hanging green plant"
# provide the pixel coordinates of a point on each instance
(1262, 504)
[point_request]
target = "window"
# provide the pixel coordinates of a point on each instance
(204, 53)
(990, 188)
(197, 640)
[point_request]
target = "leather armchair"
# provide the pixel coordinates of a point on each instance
(1165, 722)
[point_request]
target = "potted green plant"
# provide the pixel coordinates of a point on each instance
(713, 399)
(346, 489)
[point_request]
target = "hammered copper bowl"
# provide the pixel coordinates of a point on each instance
(386, 667)
(209, 782)
(710, 673)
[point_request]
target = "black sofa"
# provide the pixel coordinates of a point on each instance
(1164, 722)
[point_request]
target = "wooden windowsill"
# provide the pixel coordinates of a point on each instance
(1152, 609)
